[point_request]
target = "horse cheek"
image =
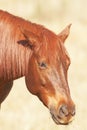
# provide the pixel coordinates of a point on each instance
(32, 79)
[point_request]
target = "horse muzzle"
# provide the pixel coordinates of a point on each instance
(63, 115)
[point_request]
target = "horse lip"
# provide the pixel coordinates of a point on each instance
(57, 119)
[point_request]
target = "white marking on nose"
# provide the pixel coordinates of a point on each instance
(58, 79)
(53, 77)
(63, 79)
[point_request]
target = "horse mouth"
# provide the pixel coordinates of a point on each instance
(55, 119)
(59, 120)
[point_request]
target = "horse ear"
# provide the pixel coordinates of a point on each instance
(64, 34)
(31, 39)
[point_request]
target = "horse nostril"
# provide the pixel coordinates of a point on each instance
(64, 114)
(63, 111)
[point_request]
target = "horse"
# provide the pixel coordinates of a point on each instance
(37, 53)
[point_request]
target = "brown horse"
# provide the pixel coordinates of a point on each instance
(30, 50)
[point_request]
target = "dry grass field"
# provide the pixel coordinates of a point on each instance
(23, 111)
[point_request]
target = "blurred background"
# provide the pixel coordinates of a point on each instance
(23, 111)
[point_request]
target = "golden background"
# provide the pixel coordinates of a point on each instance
(23, 111)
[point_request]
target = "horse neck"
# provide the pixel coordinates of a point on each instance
(14, 58)
(13, 61)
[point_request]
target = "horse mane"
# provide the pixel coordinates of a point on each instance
(14, 57)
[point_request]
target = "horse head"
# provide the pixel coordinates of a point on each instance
(46, 75)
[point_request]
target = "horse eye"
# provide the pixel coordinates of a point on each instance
(43, 65)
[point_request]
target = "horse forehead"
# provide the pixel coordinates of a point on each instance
(51, 45)
(50, 42)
